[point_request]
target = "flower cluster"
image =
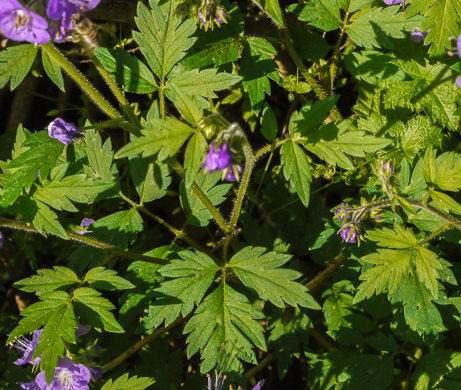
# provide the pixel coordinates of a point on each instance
(210, 14)
(67, 375)
(348, 231)
(20, 24)
(220, 158)
(63, 131)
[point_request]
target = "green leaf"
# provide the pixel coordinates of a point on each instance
(261, 273)
(100, 158)
(442, 18)
(296, 169)
(189, 106)
(76, 188)
(269, 126)
(397, 238)
(338, 306)
(53, 70)
(164, 37)
(165, 138)
(123, 383)
(46, 220)
(448, 174)
(197, 213)
(193, 276)
(437, 369)
(226, 319)
(445, 202)
(42, 154)
(323, 14)
(15, 63)
(272, 10)
(427, 267)
(194, 156)
(48, 280)
(127, 70)
(203, 83)
(55, 313)
(94, 310)
(374, 28)
(151, 178)
(218, 53)
(106, 279)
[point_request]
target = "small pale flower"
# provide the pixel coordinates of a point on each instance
(61, 130)
(26, 347)
(20, 24)
(85, 223)
(67, 376)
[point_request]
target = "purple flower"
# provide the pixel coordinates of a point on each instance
(67, 376)
(394, 2)
(85, 223)
(96, 373)
(27, 348)
(219, 158)
(82, 330)
(61, 130)
(345, 234)
(221, 15)
(28, 386)
(231, 174)
(64, 9)
(259, 385)
(417, 36)
(2, 240)
(19, 24)
(458, 80)
(388, 168)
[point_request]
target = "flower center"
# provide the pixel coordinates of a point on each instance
(21, 19)
(66, 380)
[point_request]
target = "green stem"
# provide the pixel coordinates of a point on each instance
(336, 53)
(81, 80)
(126, 108)
(201, 195)
(360, 211)
(161, 94)
(321, 93)
(274, 145)
(178, 233)
(4, 222)
(136, 347)
(444, 228)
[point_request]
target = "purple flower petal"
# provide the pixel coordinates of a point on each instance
(27, 348)
(67, 375)
(259, 385)
(2, 240)
(87, 222)
(19, 24)
(219, 158)
(458, 80)
(230, 173)
(345, 234)
(82, 330)
(28, 386)
(61, 130)
(417, 36)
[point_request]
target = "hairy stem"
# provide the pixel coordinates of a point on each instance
(201, 195)
(8, 223)
(126, 108)
(81, 80)
(439, 231)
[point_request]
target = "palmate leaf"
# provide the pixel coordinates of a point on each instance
(165, 138)
(127, 70)
(219, 53)
(15, 63)
(42, 154)
(442, 18)
(76, 188)
(45, 220)
(100, 158)
(448, 172)
(94, 310)
(125, 383)
(193, 276)
(54, 312)
(197, 213)
(48, 280)
(374, 27)
(323, 14)
(261, 273)
(296, 169)
(164, 37)
(226, 319)
(106, 279)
